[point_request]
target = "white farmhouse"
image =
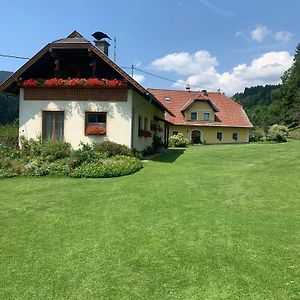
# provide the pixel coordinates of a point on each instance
(70, 90)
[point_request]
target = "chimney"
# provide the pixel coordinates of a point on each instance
(188, 87)
(204, 92)
(102, 45)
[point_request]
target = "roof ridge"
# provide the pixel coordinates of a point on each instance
(174, 90)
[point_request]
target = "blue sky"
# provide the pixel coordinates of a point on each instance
(208, 43)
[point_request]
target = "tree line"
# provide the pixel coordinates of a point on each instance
(9, 105)
(275, 104)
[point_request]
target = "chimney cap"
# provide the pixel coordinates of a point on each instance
(99, 35)
(188, 87)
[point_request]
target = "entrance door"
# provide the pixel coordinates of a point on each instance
(196, 137)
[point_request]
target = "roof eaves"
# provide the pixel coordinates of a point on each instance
(22, 69)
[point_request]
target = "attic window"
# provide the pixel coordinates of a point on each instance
(167, 99)
(205, 116)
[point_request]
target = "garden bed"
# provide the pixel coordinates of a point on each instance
(41, 158)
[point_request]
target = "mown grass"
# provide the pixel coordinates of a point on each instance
(208, 222)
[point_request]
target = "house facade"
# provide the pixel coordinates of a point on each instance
(204, 117)
(70, 90)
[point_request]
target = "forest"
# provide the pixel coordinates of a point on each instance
(275, 104)
(9, 105)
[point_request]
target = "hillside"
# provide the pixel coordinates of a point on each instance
(270, 104)
(261, 104)
(9, 105)
(4, 75)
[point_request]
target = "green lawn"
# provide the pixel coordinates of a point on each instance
(208, 222)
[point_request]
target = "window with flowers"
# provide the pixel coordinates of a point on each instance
(95, 123)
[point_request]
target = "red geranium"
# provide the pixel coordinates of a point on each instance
(30, 83)
(54, 82)
(114, 83)
(95, 130)
(58, 82)
(73, 81)
(94, 82)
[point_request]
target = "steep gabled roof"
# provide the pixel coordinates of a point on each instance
(199, 98)
(76, 41)
(228, 112)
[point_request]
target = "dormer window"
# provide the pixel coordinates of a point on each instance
(167, 99)
(194, 116)
(206, 116)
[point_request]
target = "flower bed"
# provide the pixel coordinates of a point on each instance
(42, 158)
(73, 82)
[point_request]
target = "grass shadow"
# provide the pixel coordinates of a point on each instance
(170, 156)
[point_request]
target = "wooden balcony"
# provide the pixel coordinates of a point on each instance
(69, 93)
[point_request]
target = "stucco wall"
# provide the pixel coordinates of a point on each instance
(142, 107)
(209, 134)
(118, 119)
(200, 107)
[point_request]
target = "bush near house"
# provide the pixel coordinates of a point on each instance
(178, 140)
(278, 133)
(112, 149)
(8, 139)
(118, 166)
(257, 135)
(42, 158)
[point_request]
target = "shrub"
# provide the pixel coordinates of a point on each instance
(148, 151)
(137, 154)
(9, 135)
(31, 147)
(257, 135)
(178, 140)
(79, 156)
(112, 149)
(57, 168)
(4, 173)
(5, 162)
(53, 150)
(113, 167)
(278, 133)
(35, 169)
(17, 167)
(157, 143)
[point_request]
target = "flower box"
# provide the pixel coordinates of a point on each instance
(145, 133)
(95, 130)
(75, 89)
(73, 82)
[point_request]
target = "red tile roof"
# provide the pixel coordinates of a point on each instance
(229, 114)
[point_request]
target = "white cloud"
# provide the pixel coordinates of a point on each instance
(139, 78)
(283, 36)
(259, 33)
(266, 69)
(185, 63)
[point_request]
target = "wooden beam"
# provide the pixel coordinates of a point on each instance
(93, 62)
